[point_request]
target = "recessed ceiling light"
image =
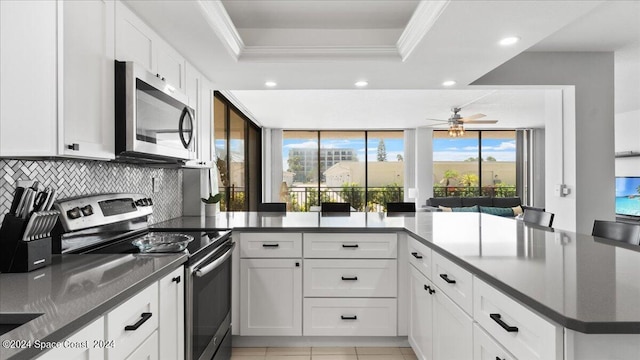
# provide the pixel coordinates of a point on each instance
(448, 83)
(361, 83)
(509, 40)
(270, 84)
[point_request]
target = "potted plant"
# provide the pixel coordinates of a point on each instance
(211, 203)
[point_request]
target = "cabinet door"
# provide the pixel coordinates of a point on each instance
(86, 114)
(205, 121)
(452, 330)
(171, 66)
(28, 67)
(88, 334)
(271, 297)
(171, 312)
(148, 350)
(420, 315)
(134, 39)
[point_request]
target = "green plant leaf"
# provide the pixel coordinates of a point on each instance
(213, 199)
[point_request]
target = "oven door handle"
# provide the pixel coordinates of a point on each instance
(214, 264)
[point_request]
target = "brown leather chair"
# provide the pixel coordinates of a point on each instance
(618, 231)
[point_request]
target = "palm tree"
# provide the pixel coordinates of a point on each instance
(448, 176)
(469, 180)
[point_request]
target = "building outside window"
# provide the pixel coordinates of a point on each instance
(363, 168)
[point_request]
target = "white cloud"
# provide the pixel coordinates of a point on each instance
(507, 145)
(303, 145)
(471, 148)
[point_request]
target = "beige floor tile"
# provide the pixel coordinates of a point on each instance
(289, 351)
(380, 357)
(288, 357)
(410, 357)
(248, 351)
(334, 357)
(406, 351)
(378, 351)
(247, 357)
(333, 351)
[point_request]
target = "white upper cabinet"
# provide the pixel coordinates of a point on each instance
(137, 42)
(86, 114)
(28, 64)
(56, 93)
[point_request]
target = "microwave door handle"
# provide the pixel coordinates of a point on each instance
(185, 116)
(214, 264)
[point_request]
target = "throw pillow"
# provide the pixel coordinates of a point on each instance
(444, 208)
(473, 208)
(517, 210)
(497, 211)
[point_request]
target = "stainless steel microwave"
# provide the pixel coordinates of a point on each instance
(153, 120)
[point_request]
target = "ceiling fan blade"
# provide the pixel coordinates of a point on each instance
(473, 117)
(436, 120)
(479, 121)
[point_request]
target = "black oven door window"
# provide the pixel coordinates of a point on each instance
(211, 303)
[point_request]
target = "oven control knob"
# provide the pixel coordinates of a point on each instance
(87, 210)
(149, 201)
(74, 213)
(140, 202)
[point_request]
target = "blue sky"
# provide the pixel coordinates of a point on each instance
(451, 149)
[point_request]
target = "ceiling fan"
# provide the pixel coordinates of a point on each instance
(456, 121)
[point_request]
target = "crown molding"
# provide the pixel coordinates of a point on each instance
(422, 20)
(222, 25)
(318, 53)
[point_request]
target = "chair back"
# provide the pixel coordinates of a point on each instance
(538, 217)
(329, 207)
(629, 233)
(272, 207)
(401, 207)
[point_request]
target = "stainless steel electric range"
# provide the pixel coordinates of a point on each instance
(108, 223)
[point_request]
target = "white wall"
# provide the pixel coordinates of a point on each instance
(585, 133)
(627, 108)
(423, 165)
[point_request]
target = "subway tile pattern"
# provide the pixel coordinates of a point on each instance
(80, 177)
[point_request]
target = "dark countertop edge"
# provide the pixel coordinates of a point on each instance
(323, 230)
(618, 327)
(100, 310)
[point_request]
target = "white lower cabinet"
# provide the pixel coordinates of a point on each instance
(438, 328)
(148, 350)
(350, 278)
(271, 300)
(88, 334)
(349, 317)
(171, 312)
(486, 348)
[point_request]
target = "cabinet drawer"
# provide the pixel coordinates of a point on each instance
(522, 332)
(420, 257)
(148, 350)
(350, 278)
(349, 317)
(367, 246)
(270, 245)
(131, 313)
(454, 281)
(486, 348)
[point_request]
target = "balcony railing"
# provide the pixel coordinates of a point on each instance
(470, 191)
(303, 198)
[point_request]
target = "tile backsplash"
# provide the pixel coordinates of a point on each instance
(79, 177)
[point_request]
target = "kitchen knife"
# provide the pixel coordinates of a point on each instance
(52, 198)
(23, 202)
(28, 204)
(17, 198)
(42, 205)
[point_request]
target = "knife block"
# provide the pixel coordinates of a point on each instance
(17, 255)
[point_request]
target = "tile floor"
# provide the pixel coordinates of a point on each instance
(323, 353)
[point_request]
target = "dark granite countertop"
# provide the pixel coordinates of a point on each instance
(73, 291)
(584, 283)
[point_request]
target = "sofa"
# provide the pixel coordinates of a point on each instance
(492, 205)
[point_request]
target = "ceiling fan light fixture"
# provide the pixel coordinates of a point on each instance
(456, 130)
(449, 83)
(508, 41)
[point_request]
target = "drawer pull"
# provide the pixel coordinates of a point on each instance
(176, 279)
(445, 277)
(350, 278)
(497, 318)
(270, 245)
(143, 319)
(499, 358)
(349, 317)
(429, 289)
(415, 255)
(350, 246)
